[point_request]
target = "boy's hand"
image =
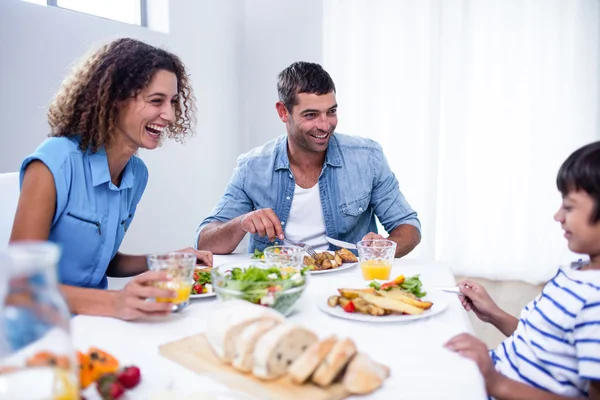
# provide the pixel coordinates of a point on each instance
(470, 347)
(475, 298)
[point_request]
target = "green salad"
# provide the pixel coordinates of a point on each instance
(258, 255)
(411, 284)
(272, 287)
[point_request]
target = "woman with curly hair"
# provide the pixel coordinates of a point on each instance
(81, 187)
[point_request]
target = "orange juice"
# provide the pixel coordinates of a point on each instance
(183, 290)
(376, 269)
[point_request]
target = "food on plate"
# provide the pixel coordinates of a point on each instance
(273, 287)
(339, 356)
(354, 293)
(346, 255)
(129, 376)
(258, 255)
(412, 285)
(109, 387)
(304, 366)
(275, 348)
(202, 281)
(400, 296)
(364, 375)
(94, 364)
(48, 359)
(326, 260)
(279, 348)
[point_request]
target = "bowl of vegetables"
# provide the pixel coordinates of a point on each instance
(257, 282)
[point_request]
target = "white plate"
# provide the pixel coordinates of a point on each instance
(202, 296)
(439, 304)
(325, 271)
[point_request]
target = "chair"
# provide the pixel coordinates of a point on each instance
(9, 197)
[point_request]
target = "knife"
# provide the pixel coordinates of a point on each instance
(340, 243)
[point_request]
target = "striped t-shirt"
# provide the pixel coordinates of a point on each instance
(556, 346)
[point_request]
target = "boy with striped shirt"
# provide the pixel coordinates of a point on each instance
(553, 350)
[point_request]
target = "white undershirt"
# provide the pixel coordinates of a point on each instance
(306, 223)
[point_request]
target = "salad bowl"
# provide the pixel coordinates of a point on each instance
(259, 283)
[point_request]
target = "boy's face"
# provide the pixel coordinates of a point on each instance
(574, 217)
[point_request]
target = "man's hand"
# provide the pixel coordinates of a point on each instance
(263, 222)
(372, 236)
(470, 347)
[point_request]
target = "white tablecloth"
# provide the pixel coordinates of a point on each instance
(420, 367)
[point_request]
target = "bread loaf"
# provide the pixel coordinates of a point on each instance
(279, 348)
(226, 322)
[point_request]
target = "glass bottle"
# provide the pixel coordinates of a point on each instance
(37, 356)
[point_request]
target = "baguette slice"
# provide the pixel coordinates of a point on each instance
(308, 362)
(364, 375)
(246, 341)
(334, 362)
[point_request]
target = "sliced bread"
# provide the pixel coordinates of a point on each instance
(334, 362)
(246, 341)
(306, 364)
(364, 375)
(277, 349)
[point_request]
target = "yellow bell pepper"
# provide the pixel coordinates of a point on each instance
(399, 280)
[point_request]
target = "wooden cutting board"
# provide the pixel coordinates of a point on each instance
(195, 353)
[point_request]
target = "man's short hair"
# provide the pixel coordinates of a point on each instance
(302, 77)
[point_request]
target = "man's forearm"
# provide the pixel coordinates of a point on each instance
(90, 301)
(221, 237)
(407, 237)
(125, 265)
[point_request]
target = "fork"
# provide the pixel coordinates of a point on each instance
(311, 252)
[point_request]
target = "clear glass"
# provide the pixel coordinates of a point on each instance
(278, 288)
(37, 356)
(180, 267)
(284, 256)
(376, 258)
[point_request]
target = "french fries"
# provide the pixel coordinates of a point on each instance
(378, 303)
(353, 293)
(405, 298)
(391, 304)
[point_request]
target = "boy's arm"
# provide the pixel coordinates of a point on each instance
(507, 389)
(505, 322)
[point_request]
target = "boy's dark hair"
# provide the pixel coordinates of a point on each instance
(302, 77)
(581, 171)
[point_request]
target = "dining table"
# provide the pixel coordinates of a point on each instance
(420, 366)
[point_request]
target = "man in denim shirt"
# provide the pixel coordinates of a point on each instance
(310, 183)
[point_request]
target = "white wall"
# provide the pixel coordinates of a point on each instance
(37, 44)
(275, 34)
(234, 50)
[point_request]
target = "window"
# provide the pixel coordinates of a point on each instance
(149, 13)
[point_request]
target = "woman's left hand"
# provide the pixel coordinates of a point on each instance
(204, 257)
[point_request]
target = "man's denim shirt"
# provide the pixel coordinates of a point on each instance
(356, 184)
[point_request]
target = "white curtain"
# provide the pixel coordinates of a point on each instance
(476, 103)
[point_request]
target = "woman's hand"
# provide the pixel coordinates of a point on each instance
(204, 257)
(131, 301)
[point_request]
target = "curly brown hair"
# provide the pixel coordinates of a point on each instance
(88, 101)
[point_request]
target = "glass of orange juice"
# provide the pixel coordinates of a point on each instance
(180, 267)
(376, 258)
